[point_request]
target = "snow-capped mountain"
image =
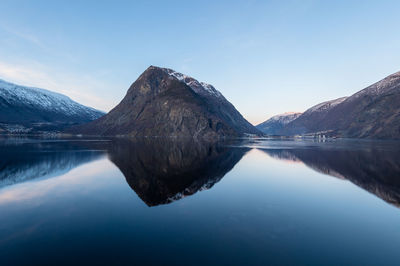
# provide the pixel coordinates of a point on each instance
(28, 109)
(273, 125)
(163, 102)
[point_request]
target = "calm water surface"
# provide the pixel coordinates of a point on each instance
(157, 202)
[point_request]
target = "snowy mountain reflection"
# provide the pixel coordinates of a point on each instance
(32, 159)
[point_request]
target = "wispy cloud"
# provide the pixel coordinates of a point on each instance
(76, 87)
(26, 36)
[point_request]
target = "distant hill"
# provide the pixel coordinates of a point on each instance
(163, 102)
(275, 124)
(29, 110)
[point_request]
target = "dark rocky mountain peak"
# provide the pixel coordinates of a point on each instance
(163, 102)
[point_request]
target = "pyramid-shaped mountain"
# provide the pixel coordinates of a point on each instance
(162, 102)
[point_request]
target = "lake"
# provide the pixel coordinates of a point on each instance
(186, 202)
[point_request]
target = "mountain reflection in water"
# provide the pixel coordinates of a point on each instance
(161, 171)
(375, 167)
(86, 201)
(29, 159)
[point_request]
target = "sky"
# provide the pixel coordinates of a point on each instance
(266, 57)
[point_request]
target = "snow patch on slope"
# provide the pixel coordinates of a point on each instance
(325, 105)
(201, 88)
(284, 118)
(380, 87)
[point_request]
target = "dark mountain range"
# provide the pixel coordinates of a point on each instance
(161, 171)
(373, 112)
(162, 102)
(376, 170)
(275, 124)
(29, 110)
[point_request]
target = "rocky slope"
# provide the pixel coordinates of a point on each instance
(26, 109)
(311, 120)
(275, 124)
(373, 112)
(162, 102)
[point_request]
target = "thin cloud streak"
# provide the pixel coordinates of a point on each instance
(29, 37)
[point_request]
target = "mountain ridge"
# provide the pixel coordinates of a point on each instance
(274, 125)
(373, 112)
(30, 109)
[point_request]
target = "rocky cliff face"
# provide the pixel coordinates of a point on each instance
(162, 102)
(29, 110)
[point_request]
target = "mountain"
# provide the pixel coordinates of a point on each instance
(373, 112)
(26, 109)
(274, 125)
(163, 102)
(311, 120)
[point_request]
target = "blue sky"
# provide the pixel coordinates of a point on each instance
(266, 57)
